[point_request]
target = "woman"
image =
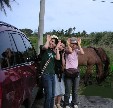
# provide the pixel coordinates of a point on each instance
(59, 80)
(72, 83)
(50, 54)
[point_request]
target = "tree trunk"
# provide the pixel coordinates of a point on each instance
(41, 24)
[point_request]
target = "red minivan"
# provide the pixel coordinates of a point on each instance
(18, 69)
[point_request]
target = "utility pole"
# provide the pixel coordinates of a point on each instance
(41, 24)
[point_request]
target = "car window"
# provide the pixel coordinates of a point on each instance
(30, 50)
(26, 52)
(21, 53)
(6, 50)
(15, 49)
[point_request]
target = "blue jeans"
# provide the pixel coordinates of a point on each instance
(71, 84)
(49, 89)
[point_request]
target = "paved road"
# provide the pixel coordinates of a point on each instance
(85, 102)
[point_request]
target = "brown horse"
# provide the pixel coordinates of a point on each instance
(94, 56)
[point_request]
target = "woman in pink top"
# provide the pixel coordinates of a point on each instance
(74, 47)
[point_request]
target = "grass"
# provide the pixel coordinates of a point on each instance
(104, 90)
(95, 90)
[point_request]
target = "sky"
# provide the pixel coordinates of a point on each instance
(88, 15)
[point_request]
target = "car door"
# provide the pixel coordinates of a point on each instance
(12, 82)
(25, 60)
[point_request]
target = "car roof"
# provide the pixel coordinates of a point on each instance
(8, 27)
(5, 26)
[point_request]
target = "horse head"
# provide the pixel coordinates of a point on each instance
(106, 61)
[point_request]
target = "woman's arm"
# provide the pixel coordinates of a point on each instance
(47, 42)
(63, 61)
(68, 49)
(79, 45)
(57, 51)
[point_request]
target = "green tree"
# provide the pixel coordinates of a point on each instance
(84, 33)
(78, 34)
(74, 29)
(35, 33)
(98, 37)
(70, 31)
(26, 31)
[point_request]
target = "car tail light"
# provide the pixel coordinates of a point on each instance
(0, 95)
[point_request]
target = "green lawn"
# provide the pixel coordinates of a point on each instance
(104, 90)
(95, 90)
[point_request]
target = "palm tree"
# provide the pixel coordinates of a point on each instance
(41, 24)
(70, 31)
(84, 33)
(4, 3)
(74, 29)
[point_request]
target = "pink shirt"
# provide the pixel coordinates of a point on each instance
(72, 59)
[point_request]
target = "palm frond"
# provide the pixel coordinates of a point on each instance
(4, 3)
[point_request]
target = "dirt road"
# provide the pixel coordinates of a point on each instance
(85, 102)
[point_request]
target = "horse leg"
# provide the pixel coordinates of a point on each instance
(100, 74)
(88, 75)
(106, 68)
